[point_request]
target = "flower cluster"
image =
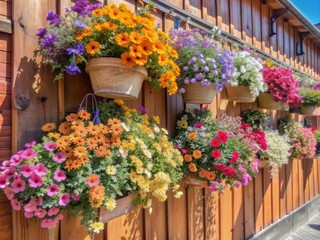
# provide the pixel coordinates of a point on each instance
(248, 73)
(311, 97)
(85, 166)
(278, 151)
(201, 59)
(90, 31)
(256, 119)
(282, 85)
(217, 157)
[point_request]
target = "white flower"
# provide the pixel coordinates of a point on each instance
(123, 153)
(156, 129)
(125, 127)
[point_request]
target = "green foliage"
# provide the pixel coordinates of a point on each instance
(310, 97)
(256, 119)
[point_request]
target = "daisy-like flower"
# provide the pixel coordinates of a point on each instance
(92, 48)
(111, 170)
(93, 180)
(127, 60)
(123, 39)
(48, 127)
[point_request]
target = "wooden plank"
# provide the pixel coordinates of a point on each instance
(5, 209)
(209, 11)
(5, 9)
(194, 7)
(289, 186)
(267, 200)
(212, 215)
(279, 36)
(246, 7)
(5, 154)
(265, 21)
(292, 46)
(5, 25)
(195, 214)
(6, 227)
(306, 173)
(5, 70)
(226, 214)
(5, 57)
(283, 189)
(249, 217)
(316, 176)
(223, 21)
(286, 42)
(256, 24)
(5, 42)
(237, 213)
(5, 131)
(301, 183)
(311, 179)
(258, 201)
(235, 18)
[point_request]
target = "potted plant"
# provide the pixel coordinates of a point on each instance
(217, 154)
(84, 168)
(311, 101)
(247, 80)
(256, 119)
(205, 67)
(117, 47)
(282, 90)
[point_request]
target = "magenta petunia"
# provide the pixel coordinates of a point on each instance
(53, 190)
(59, 157)
(58, 218)
(9, 172)
(40, 213)
(28, 214)
(18, 185)
(47, 223)
(40, 201)
(31, 206)
(198, 125)
(215, 142)
(35, 181)
(3, 181)
(40, 170)
(75, 197)
(53, 211)
(27, 170)
(59, 175)
(64, 199)
(4, 165)
(28, 153)
(15, 160)
(8, 191)
(15, 204)
(30, 144)
(50, 146)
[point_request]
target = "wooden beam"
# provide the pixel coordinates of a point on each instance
(6, 26)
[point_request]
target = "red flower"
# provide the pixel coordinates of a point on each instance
(198, 125)
(235, 157)
(220, 166)
(216, 154)
(215, 142)
(229, 171)
(245, 126)
(222, 136)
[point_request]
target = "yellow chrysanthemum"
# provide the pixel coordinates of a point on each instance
(97, 226)
(110, 204)
(111, 170)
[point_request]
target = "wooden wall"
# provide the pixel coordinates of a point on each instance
(199, 214)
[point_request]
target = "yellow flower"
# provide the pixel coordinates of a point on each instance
(156, 119)
(159, 47)
(136, 38)
(118, 101)
(54, 135)
(182, 124)
(48, 127)
(141, 60)
(108, 26)
(127, 60)
(123, 39)
(97, 12)
(150, 35)
(163, 59)
(110, 204)
(133, 177)
(92, 47)
(135, 51)
(111, 170)
(87, 32)
(173, 88)
(97, 226)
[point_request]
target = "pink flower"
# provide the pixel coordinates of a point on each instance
(50, 146)
(8, 191)
(93, 180)
(235, 157)
(28, 214)
(198, 125)
(40, 213)
(53, 211)
(28, 153)
(47, 223)
(59, 175)
(18, 185)
(59, 157)
(40, 170)
(20, 152)
(40, 201)
(9, 172)
(58, 218)
(215, 142)
(15, 160)
(64, 199)
(184, 151)
(3, 181)
(27, 170)
(216, 154)
(31, 206)
(53, 190)
(30, 144)
(222, 136)
(4, 165)
(35, 181)
(75, 197)
(15, 204)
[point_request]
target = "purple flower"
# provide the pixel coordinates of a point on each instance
(35, 181)
(53, 190)
(73, 69)
(195, 69)
(219, 86)
(53, 18)
(59, 157)
(317, 87)
(215, 72)
(182, 90)
(94, 6)
(40, 170)
(27, 170)
(246, 178)
(186, 81)
(30, 144)
(15, 160)
(205, 82)
(77, 49)
(81, 7)
(202, 61)
(41, 32)
(199, 76)
(48, 40)
(28, 153)
(142, 109)
(193, 80)
(59, 175)
(80, 24)
(206, 69)
(50, 146)
(185, 68)
(64, 199)
(18, 185)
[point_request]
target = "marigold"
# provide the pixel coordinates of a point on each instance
(80, 151)
(92, 48)
(192, 136)
(192, 167)
(96, 196)
(187, 158)
(123, 39)
(64, 128)
(197, 154)
(127, 60)
(48, 127)
(87, 32)
(203, 173)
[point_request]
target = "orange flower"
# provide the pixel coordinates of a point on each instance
(109, 26)
(48, 127)
(68, 151)
(87, 32)
(63, 142)
(80, 151)
(197, 154)
(79, 141)
(79, 36)
(103, 152)
(97, 12)
(93, 179)
(192, 136)
(115, 13)
(163, 59)
(123, 39)
(187, 158)
(158, 46)
(97, 26)
(92, 47)
(96, 196)
(116, 142)
(91, 143)
(174, 53)
(141, 60)
(114, 121)
(72, 117)
(192, 167)
(166, 79)
(147, 47)
(68, 165)
(136, 38)
(173, 88)
(64, 128)
(203, 173)
(163, 34)
(150, 35)
(83, 114)
(116, 130)
(127, 60)
(135, 51)
(211, 176)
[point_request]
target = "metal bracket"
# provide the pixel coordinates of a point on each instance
(275, 16)
(299, 46)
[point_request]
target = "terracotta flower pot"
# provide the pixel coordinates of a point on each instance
(266, 101)
(124, 205)
(111, 79)
(240, 94)
(196, 93)
(309, 111)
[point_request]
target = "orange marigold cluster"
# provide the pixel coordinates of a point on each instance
(96, 196)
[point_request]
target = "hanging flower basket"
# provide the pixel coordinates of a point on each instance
(263, 164)
(124, 205)
(198, 94)
(240, 94)
(111, 79)
(193, 182)
(309, 111)
(266, 101)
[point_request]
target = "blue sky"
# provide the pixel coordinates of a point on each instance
(309, 8)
